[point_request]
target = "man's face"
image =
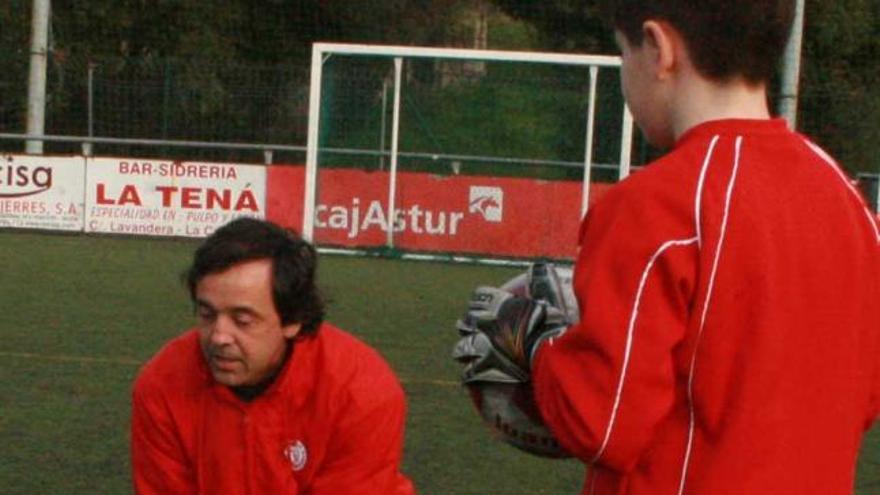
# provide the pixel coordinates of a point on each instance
(643, 92)
(240, 330)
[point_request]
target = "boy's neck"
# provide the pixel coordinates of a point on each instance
(701, 100)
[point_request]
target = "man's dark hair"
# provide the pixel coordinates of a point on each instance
(725, 38)
(296, 297)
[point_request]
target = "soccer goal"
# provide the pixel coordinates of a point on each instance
(484, 153)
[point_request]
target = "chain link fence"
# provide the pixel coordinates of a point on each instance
(188, 100)
(164, 99)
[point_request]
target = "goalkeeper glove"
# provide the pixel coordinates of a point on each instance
(501, 332)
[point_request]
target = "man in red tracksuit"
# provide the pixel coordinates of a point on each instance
(728, 340)
(263, 396)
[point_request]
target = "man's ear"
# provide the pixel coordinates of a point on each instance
(290, 330)
(663, 42)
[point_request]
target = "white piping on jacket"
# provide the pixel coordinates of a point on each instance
(629, 338)
(690, 389)
(699, 195)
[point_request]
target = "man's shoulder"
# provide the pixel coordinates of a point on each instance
(343, 351)
(351, 364)
(176, 363)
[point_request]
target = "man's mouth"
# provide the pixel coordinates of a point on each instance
(223, 363)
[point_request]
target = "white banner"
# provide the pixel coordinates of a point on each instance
(167, 198)
(41, 192)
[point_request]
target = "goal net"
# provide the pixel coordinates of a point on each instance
(478, 153)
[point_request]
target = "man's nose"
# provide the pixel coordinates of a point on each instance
(221, 331)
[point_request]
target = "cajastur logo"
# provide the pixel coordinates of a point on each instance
(18, 180)
(487, 201)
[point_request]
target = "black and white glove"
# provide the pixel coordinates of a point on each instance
(500, 332)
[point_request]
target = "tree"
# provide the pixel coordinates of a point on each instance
(564, 25)
(839, 103)
(177, 69)
(14, 52)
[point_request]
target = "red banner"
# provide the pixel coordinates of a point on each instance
(459, 214)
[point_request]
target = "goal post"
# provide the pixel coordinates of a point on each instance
(400, 56)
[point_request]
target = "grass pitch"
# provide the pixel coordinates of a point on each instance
(80, 314)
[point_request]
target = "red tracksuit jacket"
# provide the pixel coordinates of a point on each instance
(331, 424)
(729, 340)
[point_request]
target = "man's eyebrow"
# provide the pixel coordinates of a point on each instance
(204, 304)
(238, 310)
(247, 310)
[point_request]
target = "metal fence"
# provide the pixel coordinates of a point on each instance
(144, 103)
(153, 101)
(165, 100)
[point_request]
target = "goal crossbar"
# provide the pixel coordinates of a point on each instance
(466, 54)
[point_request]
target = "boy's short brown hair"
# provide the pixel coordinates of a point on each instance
(725, 38)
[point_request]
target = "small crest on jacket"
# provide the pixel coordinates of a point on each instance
(297, 455)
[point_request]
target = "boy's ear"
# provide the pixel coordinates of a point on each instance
(663, 42)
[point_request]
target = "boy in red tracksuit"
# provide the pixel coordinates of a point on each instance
(263, 396)
(729, 340)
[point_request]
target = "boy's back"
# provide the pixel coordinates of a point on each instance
(787, 366)
(777, 364)
(770, 383)
(728, 339)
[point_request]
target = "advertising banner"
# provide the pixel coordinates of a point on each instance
(168, 198)
(285, 193)
(41, 192)
(458, 214)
